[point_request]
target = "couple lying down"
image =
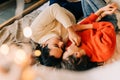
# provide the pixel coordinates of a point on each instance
(97, 39)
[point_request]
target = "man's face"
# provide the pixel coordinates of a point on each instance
(56, 47)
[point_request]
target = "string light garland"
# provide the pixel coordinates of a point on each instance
(4, 49)
(27, 32)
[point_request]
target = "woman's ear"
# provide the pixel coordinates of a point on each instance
(77, 54)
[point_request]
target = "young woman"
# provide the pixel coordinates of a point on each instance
(98, 41)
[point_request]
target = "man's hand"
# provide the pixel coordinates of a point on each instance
(74, 38)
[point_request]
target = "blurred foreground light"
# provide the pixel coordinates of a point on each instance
(20, 56)
(4, 49)
(28, 74)
(37, 53)
(27, 32)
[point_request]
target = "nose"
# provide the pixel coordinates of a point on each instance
(61, 44)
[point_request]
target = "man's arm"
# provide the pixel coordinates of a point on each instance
(73, 37)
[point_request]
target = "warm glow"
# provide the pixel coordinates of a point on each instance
(4, 49)
(37, 53)
(20, 56)
(28, 74)
(27, 32)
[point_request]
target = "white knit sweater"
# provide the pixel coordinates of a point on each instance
(51, 22)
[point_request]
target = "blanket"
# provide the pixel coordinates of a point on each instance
(14, 34)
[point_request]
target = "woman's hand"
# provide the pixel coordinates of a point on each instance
(74, 38)
(109, 9)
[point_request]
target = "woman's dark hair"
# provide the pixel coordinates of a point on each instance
(78, 64)
(117, 30)
(45, 58)
(73, 63)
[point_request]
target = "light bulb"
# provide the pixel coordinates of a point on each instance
(4, 49)
(20, 56)
(37, 53)
(27, 32)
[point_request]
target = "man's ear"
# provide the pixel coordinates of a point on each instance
(43, 44)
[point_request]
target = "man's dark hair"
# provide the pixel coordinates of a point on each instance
(78, 64)
(45, 58)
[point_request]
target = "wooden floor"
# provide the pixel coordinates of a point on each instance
(7, 9)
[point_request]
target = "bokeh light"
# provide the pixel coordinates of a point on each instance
(4, 49)
(37, 53)
(27, 32)
(20, 56)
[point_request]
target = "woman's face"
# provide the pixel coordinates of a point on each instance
(73, 50)
(56, 47)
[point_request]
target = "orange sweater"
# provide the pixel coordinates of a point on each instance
(99, 43)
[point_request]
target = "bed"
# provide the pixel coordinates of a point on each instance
(11, 33)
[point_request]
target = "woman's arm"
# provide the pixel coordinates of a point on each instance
(102, 12)
(107, 10)
(81, 27)
(86, 23)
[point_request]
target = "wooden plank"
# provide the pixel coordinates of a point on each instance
(26, 11)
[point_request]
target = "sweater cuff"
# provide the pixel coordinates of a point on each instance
(95, 25)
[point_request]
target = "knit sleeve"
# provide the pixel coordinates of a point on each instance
(103, 41)
(51, 14)
(90, 19)
(62, 15)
